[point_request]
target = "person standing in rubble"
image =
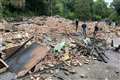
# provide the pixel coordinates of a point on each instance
(113, 24)
(96, 28)
(84, 29)
(1, 45)
(76, 24)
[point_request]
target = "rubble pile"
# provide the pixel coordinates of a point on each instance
(44, 44)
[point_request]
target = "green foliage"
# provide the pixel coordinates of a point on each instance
(100, 9)
(115, 12)
(116, 5)
(82, 9)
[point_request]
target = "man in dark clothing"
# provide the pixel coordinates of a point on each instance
(95, 31)
(84, 27)
(77, 24)
(96, 28)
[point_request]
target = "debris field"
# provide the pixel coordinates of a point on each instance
(46, 45)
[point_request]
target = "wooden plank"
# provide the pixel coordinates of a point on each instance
(3, 66)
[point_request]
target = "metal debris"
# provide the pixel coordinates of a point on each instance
(25, 60)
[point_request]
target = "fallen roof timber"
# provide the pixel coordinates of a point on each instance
(24, 61)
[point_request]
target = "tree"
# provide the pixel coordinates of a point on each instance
(53, 7)
(116, 5)
(11, 7)
(84, 9)
(38, 7)
(100, 9)
(69, 8)
(63, 8)
(15, 3)
(18, 3)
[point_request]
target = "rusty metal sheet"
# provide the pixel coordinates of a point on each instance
(25, 60)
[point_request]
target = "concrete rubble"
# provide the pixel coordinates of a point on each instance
(55, 48)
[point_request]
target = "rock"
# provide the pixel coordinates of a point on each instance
(50, 65)
(51, 71)
(83, 76)
(66, 73)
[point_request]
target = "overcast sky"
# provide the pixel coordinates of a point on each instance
(109, 1)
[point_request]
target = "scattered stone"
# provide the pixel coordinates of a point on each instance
(83, 76)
